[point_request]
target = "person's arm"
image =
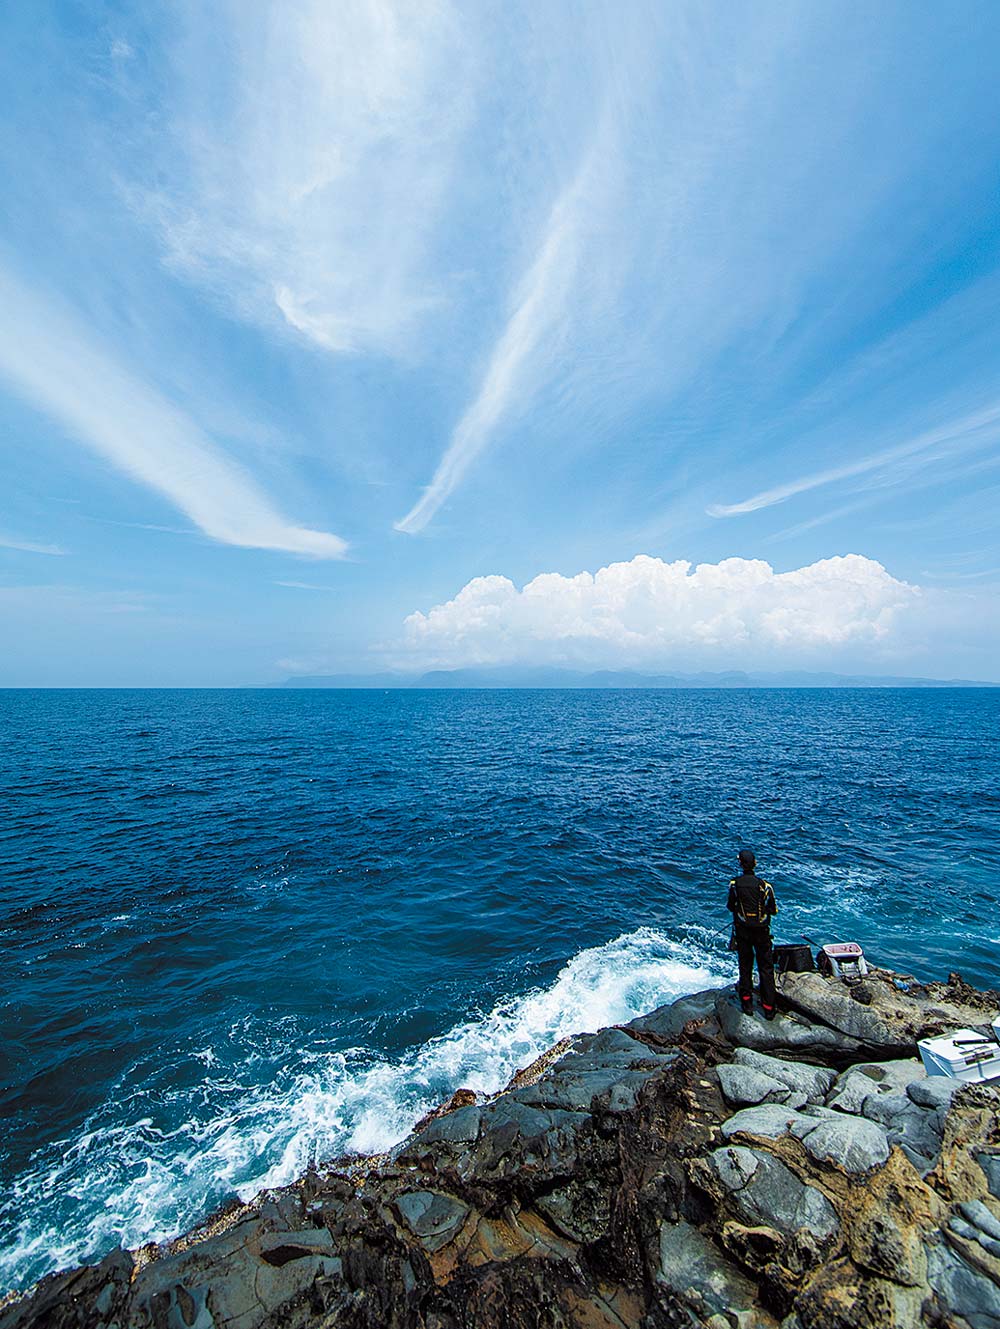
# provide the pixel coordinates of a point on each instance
(731, 902)
(770, 904)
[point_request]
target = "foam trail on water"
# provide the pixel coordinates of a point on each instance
(127, 1181)
(605, 985)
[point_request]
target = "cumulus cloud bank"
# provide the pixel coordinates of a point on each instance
(647, 612)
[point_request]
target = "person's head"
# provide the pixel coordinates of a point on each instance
(747, 860)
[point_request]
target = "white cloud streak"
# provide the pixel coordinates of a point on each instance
(649, 612)
(51, 359)
(540, 305)
(366, 174)
(636, 220)
(304, 586)
(965, 433)
(29, 546)
(307, 194)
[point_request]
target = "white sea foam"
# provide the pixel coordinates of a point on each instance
(135, 1183)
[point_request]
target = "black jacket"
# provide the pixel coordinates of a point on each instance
(751, 900)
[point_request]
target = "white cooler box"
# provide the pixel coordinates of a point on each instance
(976, 1059)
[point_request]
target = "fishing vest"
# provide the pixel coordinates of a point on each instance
(753, 898)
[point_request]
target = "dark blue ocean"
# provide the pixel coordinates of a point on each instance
(246, 929)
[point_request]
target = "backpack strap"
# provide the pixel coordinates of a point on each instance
(738, 911)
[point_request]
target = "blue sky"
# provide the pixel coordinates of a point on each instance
(353, 336)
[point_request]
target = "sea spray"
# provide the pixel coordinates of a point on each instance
(125, 1181)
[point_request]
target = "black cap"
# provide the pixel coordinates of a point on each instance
(747, 860)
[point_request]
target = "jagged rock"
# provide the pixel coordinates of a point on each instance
(892, 1023)
(813, 1082)
(934, 1091)
(700, 1277)
(580, 1210)
(594, 1193)
(762, 1190)
(742, 1084)
(883, 1245)
(789, 1034)
(839, 1297)
(668, 1022)
(432, 1217)
(855, 1086)
(537, 1068)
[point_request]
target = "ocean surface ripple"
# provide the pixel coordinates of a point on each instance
(249, 929)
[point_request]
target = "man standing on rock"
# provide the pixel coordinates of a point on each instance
(751, 900)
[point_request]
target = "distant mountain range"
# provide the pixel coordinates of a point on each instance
(552, 677)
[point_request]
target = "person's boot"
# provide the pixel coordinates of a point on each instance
(769, 1011)
(746, 1004)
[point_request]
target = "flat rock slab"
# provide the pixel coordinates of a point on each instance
(769, 1120)
(933, 1091)
(785, 1035)
(917, 1130)
(610, 1067)
(963, 1288)
(667, 1022)
(279, 1248)
(575, 1091)
(458, 1127)
(236, 1279)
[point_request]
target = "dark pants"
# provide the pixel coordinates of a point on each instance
(752, 942)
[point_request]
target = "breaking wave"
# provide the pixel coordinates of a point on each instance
(126, 1179)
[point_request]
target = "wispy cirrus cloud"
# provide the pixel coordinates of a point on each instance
(608, 207)
(304, 586)
(52, 359)
(540, 308)
(966, 433)
(30, 546)
(307, 192)
(427, 181)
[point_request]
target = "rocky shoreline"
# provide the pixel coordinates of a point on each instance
(696, 1167)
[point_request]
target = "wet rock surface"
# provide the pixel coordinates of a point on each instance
(696, 1167)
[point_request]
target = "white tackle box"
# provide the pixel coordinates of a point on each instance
(964, 1055)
